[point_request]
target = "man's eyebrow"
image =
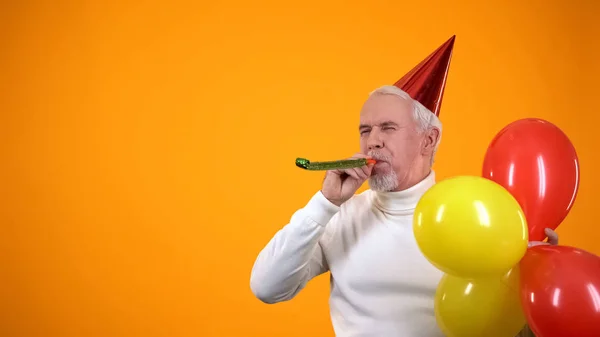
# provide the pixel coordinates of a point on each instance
(385, 123)
(388, 123)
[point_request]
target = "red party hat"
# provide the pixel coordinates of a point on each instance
(425, 82)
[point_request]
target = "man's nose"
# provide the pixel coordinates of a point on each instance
(374, 141)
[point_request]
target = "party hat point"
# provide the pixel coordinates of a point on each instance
(427, 80)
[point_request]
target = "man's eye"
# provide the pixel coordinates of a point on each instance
(363, 132)
(389, 128)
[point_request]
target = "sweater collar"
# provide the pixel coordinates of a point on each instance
(405, 201)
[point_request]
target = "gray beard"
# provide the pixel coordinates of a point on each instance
(384, 182)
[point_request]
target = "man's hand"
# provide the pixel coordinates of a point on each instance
(552, 239)
(340, 185)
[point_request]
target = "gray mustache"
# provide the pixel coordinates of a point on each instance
(379, 156)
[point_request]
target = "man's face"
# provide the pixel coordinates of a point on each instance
(388, 133)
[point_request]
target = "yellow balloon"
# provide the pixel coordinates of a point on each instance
(470, 227)
(477, 308)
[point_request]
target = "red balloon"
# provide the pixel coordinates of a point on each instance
(537, 163)
(560, 291)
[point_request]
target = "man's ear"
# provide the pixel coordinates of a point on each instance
(431, 138)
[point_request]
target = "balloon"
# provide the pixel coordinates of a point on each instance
(470, 227)
(536, 162)
(482, 307)
(560, 291)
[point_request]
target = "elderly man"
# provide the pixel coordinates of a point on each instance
(381, 284)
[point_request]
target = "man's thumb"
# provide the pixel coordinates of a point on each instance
(552, 236)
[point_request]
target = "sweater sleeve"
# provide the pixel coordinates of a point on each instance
(294, 255)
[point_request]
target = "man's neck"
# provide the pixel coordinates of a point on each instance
(400, 202)
(412, 179)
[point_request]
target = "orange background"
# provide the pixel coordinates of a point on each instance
(148, 147)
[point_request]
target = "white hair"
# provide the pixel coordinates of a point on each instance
(425, 121)
(424, 118)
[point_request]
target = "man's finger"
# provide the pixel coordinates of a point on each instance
(366, 170)
(552, 236)
(360, 173)
(352, 173)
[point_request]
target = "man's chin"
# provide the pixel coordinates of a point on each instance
(383, 182)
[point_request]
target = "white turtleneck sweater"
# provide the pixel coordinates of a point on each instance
(381, 284)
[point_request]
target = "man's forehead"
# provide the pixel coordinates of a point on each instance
(375, 114)
(382, 104)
